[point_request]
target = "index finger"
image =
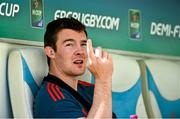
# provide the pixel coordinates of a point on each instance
(90, 51)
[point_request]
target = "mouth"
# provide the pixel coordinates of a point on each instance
(78, 62)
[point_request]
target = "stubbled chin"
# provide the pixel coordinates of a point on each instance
(79, 66)
(79, 77)
(80, 72)
(79, 69)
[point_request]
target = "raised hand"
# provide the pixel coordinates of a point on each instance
(100, 62)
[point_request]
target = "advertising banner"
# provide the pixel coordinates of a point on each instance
(151, 27)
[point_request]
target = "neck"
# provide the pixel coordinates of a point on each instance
(72, 81)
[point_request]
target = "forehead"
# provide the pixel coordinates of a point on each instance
(71, 34)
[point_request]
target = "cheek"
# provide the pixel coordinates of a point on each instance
(85, 52)
(64, 56)
(86, 56)
(64, 52)
(60, 56)
(63, 60)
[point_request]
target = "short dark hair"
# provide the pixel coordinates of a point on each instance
(50, 36)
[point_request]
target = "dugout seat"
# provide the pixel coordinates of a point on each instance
(26, 69)
(163, 79)
(127, 87)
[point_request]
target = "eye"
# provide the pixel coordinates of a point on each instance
(69, 44)
(84, 44)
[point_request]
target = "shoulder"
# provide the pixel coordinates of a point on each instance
(85, 86)
(52, 92)
(83, 83)
(55, 92)
(86, 89)
(54, 101)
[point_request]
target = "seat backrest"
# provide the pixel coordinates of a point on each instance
(126, 87)
(163, 77)
(5, 106)
(26, 69)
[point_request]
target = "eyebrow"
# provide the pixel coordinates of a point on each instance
(67, 40)
(72, 40)
(84, 41)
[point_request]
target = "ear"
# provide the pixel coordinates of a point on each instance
(49, 52)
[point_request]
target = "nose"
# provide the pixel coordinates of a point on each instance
(80, 50)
